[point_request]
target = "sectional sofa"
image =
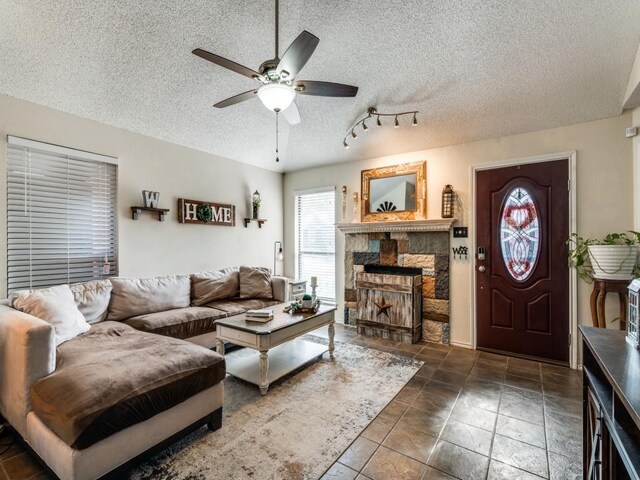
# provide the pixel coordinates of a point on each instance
(135, 379)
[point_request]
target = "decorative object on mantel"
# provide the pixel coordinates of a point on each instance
(398, 192)
(356, 207)
(448, 202)
(633, 313)
(344, 203)
(206, 213)
(255, 203)
(150, 199)
(371, 113)
(135, 212)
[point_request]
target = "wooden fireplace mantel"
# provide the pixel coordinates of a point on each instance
(437, 225)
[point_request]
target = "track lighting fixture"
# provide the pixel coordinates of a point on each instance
(372, 112)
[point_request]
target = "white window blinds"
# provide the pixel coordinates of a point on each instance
(61, 215)
(316, 240)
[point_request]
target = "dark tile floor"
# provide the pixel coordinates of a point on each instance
(470, 415)
(465, 415)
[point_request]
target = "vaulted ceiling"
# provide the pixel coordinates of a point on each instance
(474, 69)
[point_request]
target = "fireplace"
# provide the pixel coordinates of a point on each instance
(390, 303)
(419, 244)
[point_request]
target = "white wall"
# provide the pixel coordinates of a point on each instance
(636, 170)
(605, 194)
(146, 246)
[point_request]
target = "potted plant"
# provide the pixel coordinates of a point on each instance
(613, 257)
(307, 301)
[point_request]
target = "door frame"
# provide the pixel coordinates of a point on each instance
(573, 277)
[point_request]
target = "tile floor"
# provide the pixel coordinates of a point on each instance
(465, 415)
(470, 415)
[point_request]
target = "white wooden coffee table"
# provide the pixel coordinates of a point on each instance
(279, 348)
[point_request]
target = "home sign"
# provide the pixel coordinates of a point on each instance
(207, 213)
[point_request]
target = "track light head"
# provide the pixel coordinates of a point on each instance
(364, 126)
(353, 134)
(378, 122)
(396, 124)
(415, 121)
(346, 145)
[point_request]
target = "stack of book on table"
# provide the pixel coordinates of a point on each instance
(260, 315)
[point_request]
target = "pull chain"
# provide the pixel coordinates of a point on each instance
(277, 117)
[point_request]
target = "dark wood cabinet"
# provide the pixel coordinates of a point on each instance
(611, 397)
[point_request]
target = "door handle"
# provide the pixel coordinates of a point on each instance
(481, 268)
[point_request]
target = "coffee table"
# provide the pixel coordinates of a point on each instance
(279, 350)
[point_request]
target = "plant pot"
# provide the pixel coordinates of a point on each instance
(613, 262)
(307, 303)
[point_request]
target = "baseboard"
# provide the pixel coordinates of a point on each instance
(461, 345)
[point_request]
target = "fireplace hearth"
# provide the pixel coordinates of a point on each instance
(422, 245)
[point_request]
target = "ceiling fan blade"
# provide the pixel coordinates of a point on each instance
(228, 64)
(292, 114)
(297, 54)
(325, 89)
(236, 99)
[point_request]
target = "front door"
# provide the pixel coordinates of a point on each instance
(522, 283)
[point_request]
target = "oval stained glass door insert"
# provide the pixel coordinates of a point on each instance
(519, 234)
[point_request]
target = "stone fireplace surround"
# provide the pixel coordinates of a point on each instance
(423, 244)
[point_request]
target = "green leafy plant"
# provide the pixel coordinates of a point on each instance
(307, 297)
(204, 213)
(578, 255)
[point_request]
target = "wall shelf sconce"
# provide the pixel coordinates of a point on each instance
(371, 113)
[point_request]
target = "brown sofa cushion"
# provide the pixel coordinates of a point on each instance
(137, 296)
(209, 286)
(179, 323)
(236, 306)
(92, 299)
(114, 376)
(255, 283)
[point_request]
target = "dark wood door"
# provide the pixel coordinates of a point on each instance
(522, 285)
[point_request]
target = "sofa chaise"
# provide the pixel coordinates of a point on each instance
(135, 379)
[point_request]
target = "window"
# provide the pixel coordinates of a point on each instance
(315, 216)
(61, 215)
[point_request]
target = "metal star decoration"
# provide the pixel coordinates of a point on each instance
(383, 308)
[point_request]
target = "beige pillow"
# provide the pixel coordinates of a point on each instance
(92, 299)
(56, 306)
(139, 296)
(255, 283)
(209, 286)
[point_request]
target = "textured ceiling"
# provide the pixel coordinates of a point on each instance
(474, 69)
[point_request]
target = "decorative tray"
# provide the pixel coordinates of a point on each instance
(295, 307)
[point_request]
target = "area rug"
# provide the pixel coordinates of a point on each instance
(297, 430)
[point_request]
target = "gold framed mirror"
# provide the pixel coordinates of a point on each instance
(398, 192)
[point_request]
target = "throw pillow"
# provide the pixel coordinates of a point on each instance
(255, 283)
(207, 287)
(92, 299)
(56, 306)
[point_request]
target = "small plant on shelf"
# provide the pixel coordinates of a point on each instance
(613, 257)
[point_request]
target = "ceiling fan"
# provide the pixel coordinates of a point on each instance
(278, 77)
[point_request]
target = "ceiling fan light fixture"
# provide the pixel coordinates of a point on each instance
(276, 96)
